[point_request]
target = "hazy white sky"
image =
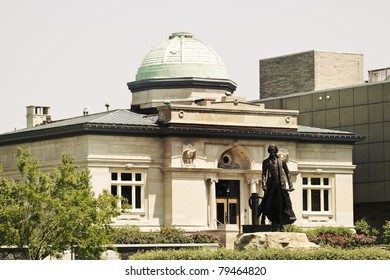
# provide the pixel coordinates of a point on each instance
(69, 54)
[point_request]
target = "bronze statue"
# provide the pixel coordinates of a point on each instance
(276, 204)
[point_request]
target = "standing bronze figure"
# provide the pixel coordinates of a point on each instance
(276, 204)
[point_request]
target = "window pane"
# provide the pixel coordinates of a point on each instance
(138, 197)
(138, 177)
(315, 181)
(126, 176)
(126, 193)
(326, 181)
(326, 200)
(221, 213)
(315, 200)
(232, 213)
(304, 199)
(114, 176)
(304, 181)
(114, 190)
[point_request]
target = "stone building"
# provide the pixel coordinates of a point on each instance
(359, 107)
(188, 153)
(308, 71)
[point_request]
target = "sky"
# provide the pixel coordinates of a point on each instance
(72, 54)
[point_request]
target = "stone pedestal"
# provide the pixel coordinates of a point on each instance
(259, 228)
(265, 240)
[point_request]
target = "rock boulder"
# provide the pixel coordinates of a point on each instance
(265, 240)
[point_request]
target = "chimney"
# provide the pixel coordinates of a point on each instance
(37, 115)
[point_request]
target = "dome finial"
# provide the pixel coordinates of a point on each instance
(181, 34)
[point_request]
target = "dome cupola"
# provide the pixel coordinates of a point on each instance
(182, 68)
(182, 55)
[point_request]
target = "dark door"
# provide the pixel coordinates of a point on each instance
(228, 197)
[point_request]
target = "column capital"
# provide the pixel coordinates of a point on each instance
(252, 180)
(211, 180)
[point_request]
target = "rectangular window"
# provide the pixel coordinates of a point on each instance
(316, 194)
(114, 190)
(126, 176)
(315, 200)
(129, 186)
(138, 197)
(304, 200)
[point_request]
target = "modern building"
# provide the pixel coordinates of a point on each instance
(189, 153)
(349, 104)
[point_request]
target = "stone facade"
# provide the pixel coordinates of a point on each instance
(307, 71)
(181, 193)
(189, 154)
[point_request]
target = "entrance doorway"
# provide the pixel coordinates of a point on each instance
(228, 198)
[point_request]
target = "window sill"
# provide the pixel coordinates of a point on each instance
(318, 217)
(133, 216)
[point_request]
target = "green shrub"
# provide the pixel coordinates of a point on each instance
(341, 241)
(362, 227)
(341, 237)
(203, 237)
(293, 228)
(386, 232)
(127, 235)
(269, 254)
(318, 231)
(165, 235)
(171, 234)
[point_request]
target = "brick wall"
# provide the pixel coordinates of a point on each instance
(287, 74)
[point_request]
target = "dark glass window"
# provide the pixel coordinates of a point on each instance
(138, 197)
(114, 190)
(315, 181)
(114, 176)
(326, 200)
(127, 193)
(304, 200)
(326, 181)
(233, 213)
(138, 177)
(126, 176)
(304, 180)
(315, 200)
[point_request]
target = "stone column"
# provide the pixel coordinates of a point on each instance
(212, 202)
(252, 187)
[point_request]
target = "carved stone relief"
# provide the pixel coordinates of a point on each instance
(188, 155)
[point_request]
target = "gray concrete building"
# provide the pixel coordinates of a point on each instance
(355, 106)
(311, 70)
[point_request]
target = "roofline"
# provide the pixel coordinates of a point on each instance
(175, 130)
(182, 82)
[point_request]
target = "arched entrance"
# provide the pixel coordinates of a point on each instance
(228, 189)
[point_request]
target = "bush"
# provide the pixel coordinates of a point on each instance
(362, 227)
(386, 233)
(341, 241)
(170, 234)
(337, 231)
(341, 237)
(293, 228)
(269, 254)
(203, 237)
(165, 235)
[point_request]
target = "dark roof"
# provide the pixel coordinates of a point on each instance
(126, 122)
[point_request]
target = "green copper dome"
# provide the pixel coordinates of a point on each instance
(180, 56)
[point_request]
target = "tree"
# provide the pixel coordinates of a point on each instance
(46, 215)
